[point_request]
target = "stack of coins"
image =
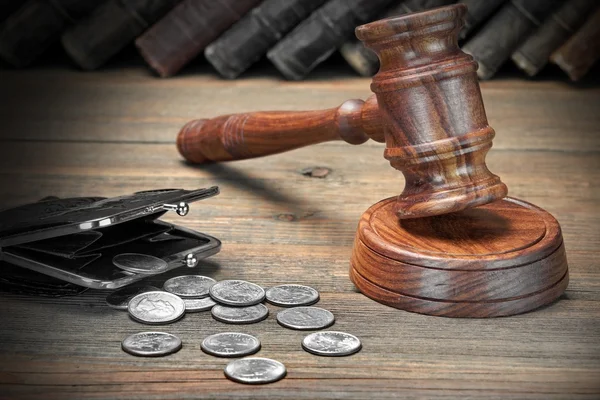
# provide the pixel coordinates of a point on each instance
(232, 302)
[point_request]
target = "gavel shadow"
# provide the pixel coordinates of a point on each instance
(290, 208)
(243, 181)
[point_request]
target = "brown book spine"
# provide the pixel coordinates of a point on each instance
(321, 34)
(501, 35)
(251, 37)
(533, 54)
(477, 12)
(111, 27)
(578, 54)
(186, 31)
(26, 34)
(363, 60)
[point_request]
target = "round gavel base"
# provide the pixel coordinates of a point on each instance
(503, 258)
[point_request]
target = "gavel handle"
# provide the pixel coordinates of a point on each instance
(242, 136)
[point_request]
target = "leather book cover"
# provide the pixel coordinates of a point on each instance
(185, 32)
(494, 43)
(582, 50)
(112, 26)
(251, 37)
(321, 34)
(533, 54)
(478, 12)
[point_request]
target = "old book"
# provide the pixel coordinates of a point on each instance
(185, 32)
(251, 37)
(533, 54)
(578, 54)
(477, 12)
(322, 33)
(494, 43)
(32, 29)
(111, 27)
(7, 7)
(363, 60)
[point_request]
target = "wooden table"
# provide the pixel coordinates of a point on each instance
(112, 133)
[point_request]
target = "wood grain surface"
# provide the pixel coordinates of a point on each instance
(112, 133)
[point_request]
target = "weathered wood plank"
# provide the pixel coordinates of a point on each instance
(132, 106)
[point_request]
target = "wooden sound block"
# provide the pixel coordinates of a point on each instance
(503, 258)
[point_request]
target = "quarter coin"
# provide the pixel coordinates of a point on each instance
(331, 343)
(140, 263)
(120, 298)
(156, 307)
(292, 295)
(193, 286)
(230, 344)
(305, 318)
(197, 305)
(237, 293)
(255, 370)
(240, 315)
(151, 344)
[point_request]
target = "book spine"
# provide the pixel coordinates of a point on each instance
(252, 36)
(533, 54)
(322, 33)
(363, 60)
(580, 52)
(7, 7)
(111, 27)
(477, 12)
(185, 32)
(44, 21)
(501, 35)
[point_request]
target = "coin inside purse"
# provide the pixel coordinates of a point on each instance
(86, 259)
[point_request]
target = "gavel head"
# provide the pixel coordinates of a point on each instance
(436, 129)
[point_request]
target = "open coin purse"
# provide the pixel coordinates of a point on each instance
(62, 246)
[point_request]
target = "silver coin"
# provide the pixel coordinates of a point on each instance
(151, 344)
(292, 295)
(237, 293)
(140, 263)
(240, 315)
(194, 286)
(156, 307)
(331, 343)
(255, 370)
(120, 298)
(305, 318)
(197, 305)
(230, 344)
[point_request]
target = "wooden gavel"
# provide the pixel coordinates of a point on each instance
(427, 108)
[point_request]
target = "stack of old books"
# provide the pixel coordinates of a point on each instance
(295, 35)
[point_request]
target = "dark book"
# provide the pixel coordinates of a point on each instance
(363, 60)
(477, 12)
(533, 54)
(185, 32)
(251, 37)
(321, 34)
(494, 43)
(582, 50)
(7, 7)
(32, 29)
(111, 27)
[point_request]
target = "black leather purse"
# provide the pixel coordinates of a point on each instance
(61, 246)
